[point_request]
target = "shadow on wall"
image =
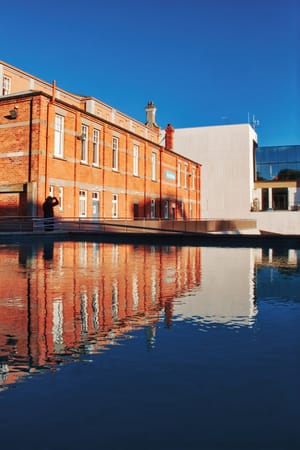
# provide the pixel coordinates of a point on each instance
(16, 204)
(166, 208)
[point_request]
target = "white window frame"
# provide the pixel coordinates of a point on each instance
(82, 203)
(59, 132)
(61, 198)
(96, 140)
(136, 160)
(185, 175)
(153, 166)
(114, 210)
(95, 197)
(115, 153)
(179, 174)
(135, 291)
(115, 300)
(51, 191)
(57, 324)
(6, 85)
(84, 143)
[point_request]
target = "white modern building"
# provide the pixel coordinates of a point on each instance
(232, 186)
(226, 153)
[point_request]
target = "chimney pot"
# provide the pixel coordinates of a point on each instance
(150, 114)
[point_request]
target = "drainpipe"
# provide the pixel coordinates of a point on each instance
(145, 176)
(30, 192)
(51, 102)
(30, 142)
(103, 170)
(126, 177)
(160, 182)
(47, 148)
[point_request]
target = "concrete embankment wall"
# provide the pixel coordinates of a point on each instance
(281, 222)
(185, 226)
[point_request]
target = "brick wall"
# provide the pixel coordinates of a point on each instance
(129, 190)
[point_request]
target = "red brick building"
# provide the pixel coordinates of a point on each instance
(97, 161)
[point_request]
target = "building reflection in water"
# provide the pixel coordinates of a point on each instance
(61, 301)
(235, 279)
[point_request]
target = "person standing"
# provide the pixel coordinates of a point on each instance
(48, 206)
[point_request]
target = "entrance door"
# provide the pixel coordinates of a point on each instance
(95, 205)
(280, 198)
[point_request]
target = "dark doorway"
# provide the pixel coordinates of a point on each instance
(135, 210)
(280, 198)
(265, 199)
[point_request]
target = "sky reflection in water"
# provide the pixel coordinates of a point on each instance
(118, 346)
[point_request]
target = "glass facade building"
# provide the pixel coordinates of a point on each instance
(277, 178)
(278, 163)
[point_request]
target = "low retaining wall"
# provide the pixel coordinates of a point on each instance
(280, 222)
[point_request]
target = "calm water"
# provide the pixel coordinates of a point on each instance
(141, 347)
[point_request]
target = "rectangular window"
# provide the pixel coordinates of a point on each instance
(115, 153)
(84, 312)
(82, 203)
(61, 198)
(51, 191)
(166, 209)
(135, 291)
(193, 178)
(182, 210)
(115, 205)
(185, 175)
(84, 143)
(115, 300)
(153, 166)
(6, 86)
(136, 160)
(152, 208)
(96, 147)
(95, 204)
(57, 327)
(178, 173)
(59, 136)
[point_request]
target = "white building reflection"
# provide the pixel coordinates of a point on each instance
(227, 291)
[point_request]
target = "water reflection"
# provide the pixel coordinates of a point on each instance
(62, 301)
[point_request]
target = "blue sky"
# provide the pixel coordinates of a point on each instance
(202, 62)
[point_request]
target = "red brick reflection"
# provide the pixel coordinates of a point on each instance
(71, 298)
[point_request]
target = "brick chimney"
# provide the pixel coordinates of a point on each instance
(169, 136)
(150, 114)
